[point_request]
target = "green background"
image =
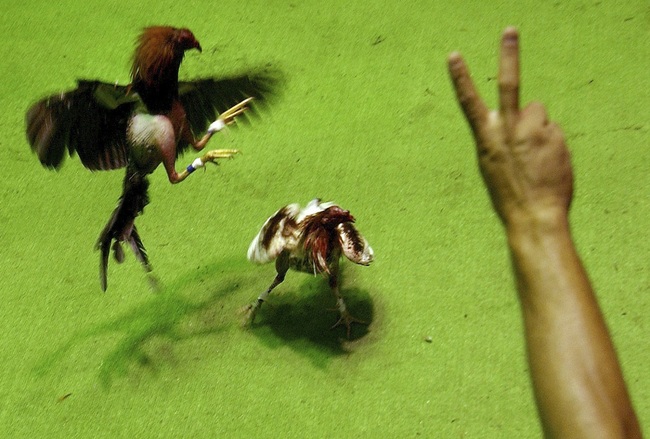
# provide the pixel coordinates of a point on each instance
(366, 116)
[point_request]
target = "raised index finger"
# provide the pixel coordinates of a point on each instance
(475, 110)
(509, 76)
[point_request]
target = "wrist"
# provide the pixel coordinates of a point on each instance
(537, 227)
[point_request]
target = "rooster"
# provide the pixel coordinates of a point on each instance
(310, 240)
(150, 121)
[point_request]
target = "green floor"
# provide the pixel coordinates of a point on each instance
(366, 117)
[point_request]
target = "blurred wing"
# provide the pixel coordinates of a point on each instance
(204, 99)
(280, 232)
(313, 207)
(90, 120)
(354, 245)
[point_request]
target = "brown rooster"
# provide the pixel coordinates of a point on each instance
(311, 240)
(139, 126)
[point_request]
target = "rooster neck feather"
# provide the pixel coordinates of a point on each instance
(157, 58)
(320, 237)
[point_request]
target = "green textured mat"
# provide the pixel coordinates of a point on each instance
(366, 117)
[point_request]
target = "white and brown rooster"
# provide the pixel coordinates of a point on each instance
(311, 240)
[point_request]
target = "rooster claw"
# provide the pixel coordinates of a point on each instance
(215, 154)
(235, 110)
(347, 319)
(249, 312)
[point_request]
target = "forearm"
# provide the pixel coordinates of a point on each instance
(576, 377)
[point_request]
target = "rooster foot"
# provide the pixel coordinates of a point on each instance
(347, 319)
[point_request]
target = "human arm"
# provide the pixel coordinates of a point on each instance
(577, 380)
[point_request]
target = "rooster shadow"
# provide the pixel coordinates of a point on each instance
(149, 331)
(303, 320)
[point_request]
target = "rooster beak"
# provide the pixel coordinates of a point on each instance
(198, 47)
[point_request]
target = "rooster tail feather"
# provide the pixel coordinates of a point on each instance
(103, 264)
(138, 249)
(121, 225)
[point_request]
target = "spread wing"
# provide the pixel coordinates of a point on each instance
(204, 99)
(279, 232)
(354, 245)
(90, 120)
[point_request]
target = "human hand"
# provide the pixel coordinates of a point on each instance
(522, 156)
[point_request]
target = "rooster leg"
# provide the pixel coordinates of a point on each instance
(199, 162)
(281, 266)
(224, 119)
(345, 317)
